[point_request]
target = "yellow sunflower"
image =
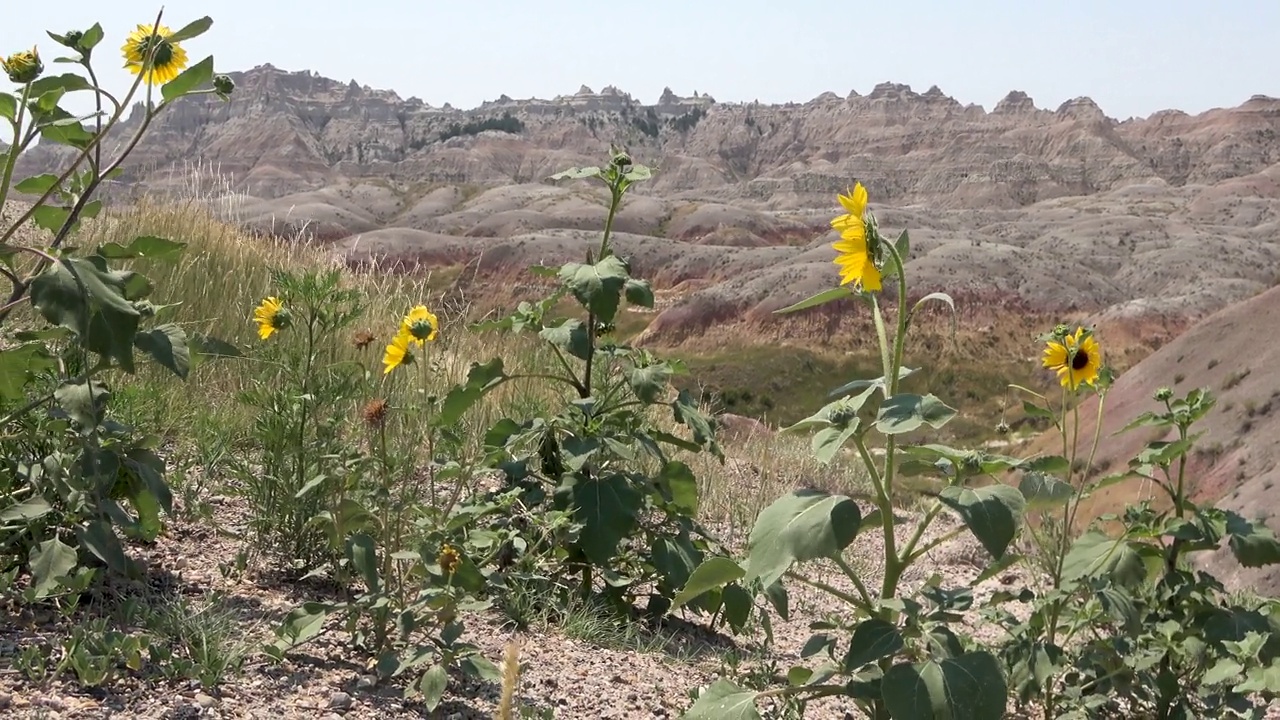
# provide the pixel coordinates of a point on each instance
(1077, 359)
(420, 325)
(854, 260)
(397, 353)
(271, 315)
(169, 60)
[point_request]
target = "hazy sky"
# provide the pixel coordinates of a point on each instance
(1133, 57)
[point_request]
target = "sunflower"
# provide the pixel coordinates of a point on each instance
(398, 352)
(169, 59)
(1076, 357)
(22, 67)
(271, 316)
(420, 324)
(854, 260)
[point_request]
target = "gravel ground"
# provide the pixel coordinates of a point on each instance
(564, 677)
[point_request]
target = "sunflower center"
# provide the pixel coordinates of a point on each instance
(1081, 360)
(420, 329)
(163, 50)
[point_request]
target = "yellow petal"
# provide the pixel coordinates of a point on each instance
(856, 201)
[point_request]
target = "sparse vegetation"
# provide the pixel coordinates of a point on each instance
(508, 123)
(400, 481)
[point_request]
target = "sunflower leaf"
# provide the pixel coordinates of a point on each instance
(904, 413)
(598, 287)
(993, 513)
(822, 298)
(192, 29)
(189, 81)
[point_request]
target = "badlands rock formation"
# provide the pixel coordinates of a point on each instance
(1018, 208)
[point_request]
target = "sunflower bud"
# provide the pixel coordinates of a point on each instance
(223, 85)
(1163, 394)
(23, 67)
(1002, 428)
(72, 38)
(1061, 331)
(622, 160)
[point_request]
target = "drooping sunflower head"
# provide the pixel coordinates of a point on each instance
(855, 248)
(271, 315)
(23, 67)
(397, 353)
(421, 325)
(1076, 357)
(148, 50)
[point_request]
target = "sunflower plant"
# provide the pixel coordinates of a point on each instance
(75, 319)
(896, 653)
(1125, 625)
(600, 458)
(396, 521)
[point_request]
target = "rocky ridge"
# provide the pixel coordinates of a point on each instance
(286, 132)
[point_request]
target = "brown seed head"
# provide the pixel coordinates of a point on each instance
(363, 339)
(375, 412)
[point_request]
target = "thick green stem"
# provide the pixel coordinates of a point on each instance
(12, 158)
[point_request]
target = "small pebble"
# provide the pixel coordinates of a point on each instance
(340, 701)
(205, 701)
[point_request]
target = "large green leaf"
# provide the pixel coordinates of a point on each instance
(872, 639)
(724, 701)
(966, 687)
(904, 413)
(822, 298)
(50, 560)
(148, 246)
(1094, 554)
(101, 540)
(432, 686)
(828, 441)
(679, 482)
(481, 378)
(1042, 491)
(32, 508)
(17, 367)
(607, 509)
(993, 513)
(713, 573)
(8, 106)
(83, 402)
(363, 552)
(190, 80)
(800, 526)
(167, 345)
(193, 29)
(598, 287)
(649, 382)
(571, 336)
(1253, 543)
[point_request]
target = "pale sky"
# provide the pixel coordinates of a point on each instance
(1133, 57)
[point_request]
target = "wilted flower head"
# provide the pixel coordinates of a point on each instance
(375, 413)
(23, 67)
(362, 339)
